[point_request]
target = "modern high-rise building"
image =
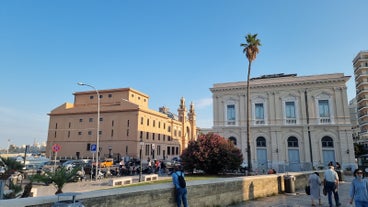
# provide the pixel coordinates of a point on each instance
(354, 119)
(125, 122)
(297, 122)
(360, 64)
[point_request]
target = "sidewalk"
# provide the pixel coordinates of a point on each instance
(299, 199)
(82, 186)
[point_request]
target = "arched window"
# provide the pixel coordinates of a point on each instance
(233, 140)
(327, 142)
(293, 142)
(261, 142)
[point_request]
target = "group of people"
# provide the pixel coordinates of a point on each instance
(358, 189)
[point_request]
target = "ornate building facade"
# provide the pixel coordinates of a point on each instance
(125, 123)
(297, 123)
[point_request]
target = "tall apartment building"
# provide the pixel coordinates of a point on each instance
(125, 121)
(360, 64)
(354, 119)
(297, 122)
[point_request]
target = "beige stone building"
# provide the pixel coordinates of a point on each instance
(296, 121)
(125, 121)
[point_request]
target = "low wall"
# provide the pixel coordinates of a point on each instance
(201, 193)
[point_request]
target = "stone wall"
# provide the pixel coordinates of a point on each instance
(201, 193)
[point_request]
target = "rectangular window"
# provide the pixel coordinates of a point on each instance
(141, 120)
(259, 113)
(290, 109)
(89, 132)
(290, 112)
(168, 150)
(90, 119)
(80, 120)
(230, 112)
(324, 111)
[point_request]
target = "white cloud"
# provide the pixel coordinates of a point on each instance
(203, 103)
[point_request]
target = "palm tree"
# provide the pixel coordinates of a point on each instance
(250, 50)
(59, 178)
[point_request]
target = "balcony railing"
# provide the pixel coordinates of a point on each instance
(325, 120)
(290, 121)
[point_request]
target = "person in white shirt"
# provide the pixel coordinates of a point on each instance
(331, 184)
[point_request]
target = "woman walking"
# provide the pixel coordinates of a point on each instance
(359, 190)
(315, 193)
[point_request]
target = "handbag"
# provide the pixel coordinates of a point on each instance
(307, 189)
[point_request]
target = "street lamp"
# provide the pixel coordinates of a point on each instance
(98, 124)
(141, 143)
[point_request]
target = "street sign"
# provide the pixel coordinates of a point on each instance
(93, 148)
(56, 148)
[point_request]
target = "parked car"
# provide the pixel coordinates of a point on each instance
(70, 164)
(50, 166)
(108, 162)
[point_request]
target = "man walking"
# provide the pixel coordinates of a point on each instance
(331, 184)
(180, 186)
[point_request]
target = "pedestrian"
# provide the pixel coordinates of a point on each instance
(121, 166)
(314, 182)
(359, 190)
(331, 184)
(180, 192)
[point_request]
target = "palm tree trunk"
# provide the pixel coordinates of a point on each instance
(248, 120)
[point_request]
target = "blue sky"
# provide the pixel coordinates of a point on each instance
(166, 49)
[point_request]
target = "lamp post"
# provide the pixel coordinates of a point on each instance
(141, 143)
(98, 124)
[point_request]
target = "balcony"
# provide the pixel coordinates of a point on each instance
(259, 122)
(325, 120)
(290, 121)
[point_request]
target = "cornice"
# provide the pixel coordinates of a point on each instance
(264, 84)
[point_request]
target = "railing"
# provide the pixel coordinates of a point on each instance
(326, 120)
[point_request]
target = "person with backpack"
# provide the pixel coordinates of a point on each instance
(180, 186)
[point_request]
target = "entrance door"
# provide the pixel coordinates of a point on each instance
(262, 160)
(294, 160)
(328, 155)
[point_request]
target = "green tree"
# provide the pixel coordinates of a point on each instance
(59, 178)
(212, 154)
(359, 149)
(10, 166)
(250, 50)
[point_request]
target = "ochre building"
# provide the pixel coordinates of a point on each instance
(126, 122)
